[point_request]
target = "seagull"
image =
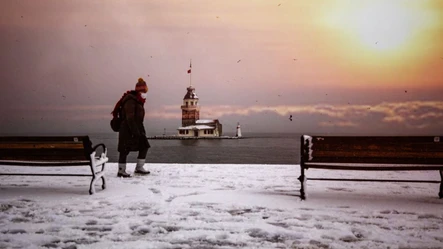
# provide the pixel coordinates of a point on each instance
(290, 117)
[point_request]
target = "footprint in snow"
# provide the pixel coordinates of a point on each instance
(155, 191)
(341, 189)
(14, 231)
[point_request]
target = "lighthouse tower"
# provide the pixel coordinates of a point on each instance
(238, 132)
(190, 107)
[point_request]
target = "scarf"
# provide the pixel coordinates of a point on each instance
(118, 104)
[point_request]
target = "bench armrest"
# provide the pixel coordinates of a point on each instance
(98, 145)
(105, 150)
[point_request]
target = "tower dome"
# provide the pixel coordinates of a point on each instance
(191, 93)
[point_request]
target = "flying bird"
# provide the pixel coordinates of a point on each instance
(290, 117)
(238, 61)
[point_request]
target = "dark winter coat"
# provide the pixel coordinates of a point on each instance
(132, 134)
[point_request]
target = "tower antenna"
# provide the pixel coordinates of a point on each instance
(190, 72)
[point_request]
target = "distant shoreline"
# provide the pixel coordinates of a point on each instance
(190, 138)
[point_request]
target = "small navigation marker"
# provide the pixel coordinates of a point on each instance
(238, 132)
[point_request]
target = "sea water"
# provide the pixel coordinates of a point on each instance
(253, 148)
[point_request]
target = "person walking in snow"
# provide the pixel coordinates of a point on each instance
(132, 134)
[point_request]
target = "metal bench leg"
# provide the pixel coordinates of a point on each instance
(95, 177)
(104, 182)
(94, 174)
(440, 194)
(103, 177)
(302, 179)
(92, 186)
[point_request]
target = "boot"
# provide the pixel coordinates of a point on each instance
(122, 171)
(139, 167)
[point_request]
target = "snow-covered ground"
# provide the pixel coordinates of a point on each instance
(219, 206)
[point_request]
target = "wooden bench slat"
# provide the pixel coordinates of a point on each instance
(369, 167)
(377, 139)
(47, 163)
(34, 145)
(42, 153)
(370, 180)
(401, 155)
(43, 138)
(428, 147)
(379, 160)
(44, 158)
(42, 150)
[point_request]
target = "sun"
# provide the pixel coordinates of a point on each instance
(384, 25)
(379, 25)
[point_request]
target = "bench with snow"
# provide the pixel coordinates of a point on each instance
(54, 152)
(375, 153)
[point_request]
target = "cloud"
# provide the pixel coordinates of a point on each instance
(338, 124)
(418, 114)
(385, 116)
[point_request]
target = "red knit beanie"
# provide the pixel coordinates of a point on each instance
(141, 85)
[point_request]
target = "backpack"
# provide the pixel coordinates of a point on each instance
(117, 118)
(117, 115)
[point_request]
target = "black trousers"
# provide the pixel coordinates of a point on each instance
(141, 154)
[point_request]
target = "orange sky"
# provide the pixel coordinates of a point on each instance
(265, 56)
